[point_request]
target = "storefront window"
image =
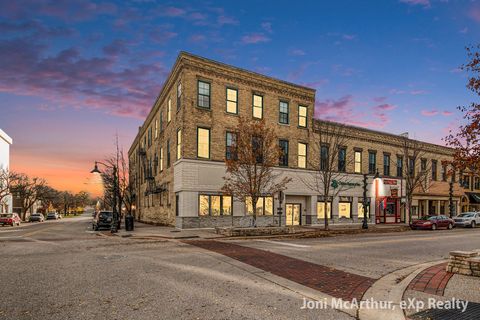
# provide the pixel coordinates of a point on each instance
(214, 205)
(321, 210)
(264, 206)
(345, 210)
(361, 211)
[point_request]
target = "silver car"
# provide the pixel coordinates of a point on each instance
(467, 219)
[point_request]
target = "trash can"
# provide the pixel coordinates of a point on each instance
(129, 223)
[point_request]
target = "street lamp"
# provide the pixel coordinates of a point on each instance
(365, 202)
(115, 189)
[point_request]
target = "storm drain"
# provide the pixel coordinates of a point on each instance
(472, 313)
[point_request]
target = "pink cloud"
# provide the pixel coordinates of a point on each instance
(173, 12)
(254, 38)
(423, 3)
(447, 113)
(475, 13)
(429, 113)
(223, 20)
(385, 107)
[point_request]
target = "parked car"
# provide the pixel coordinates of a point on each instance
(11, 219)
(432, 223)
(103, 219)
(53, 216)
(467, 219)
(36, 217)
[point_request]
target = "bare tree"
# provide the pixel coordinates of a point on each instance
(328, 177)
(253, 155)
(7, 180)
(416, 170)
(29, 190)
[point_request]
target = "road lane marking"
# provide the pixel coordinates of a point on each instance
(286, 244)
(38, 231)
(12, 237)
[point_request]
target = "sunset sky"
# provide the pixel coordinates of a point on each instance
(75, 73)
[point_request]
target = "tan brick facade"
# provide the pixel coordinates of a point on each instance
(188, 176)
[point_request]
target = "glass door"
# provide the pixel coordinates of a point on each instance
(293, 211)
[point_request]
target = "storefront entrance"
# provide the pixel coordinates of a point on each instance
(387, 210)
(293, 214)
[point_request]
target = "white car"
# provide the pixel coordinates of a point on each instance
(467, 219)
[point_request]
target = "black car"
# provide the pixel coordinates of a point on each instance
(102, 219)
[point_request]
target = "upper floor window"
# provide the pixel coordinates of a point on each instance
(283, 160)
(169, 111)
(203, 143)
(230, 147)
(372, 162)
(283, 112)
(358, 162)
(232, 100)
(323, 157)
(434, 170)
(444, 172)
(161, 159)
(386, 164)
(466, 182)
(161, 121)
(302, 116)
(257, 106)
(477, 183)
(423, 165)
(203, 94)
(411, 166)
(454, 175)
(168, 153)
(302, 155)
(257, 147)
(156, 128)
(179, 95)
(179, 143)
(342, 155)
(399, 166)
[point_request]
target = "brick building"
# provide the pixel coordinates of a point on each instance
(177, 158)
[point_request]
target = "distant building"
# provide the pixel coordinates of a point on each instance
(5, 142)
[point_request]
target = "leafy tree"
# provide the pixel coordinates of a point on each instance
(466, 139)
(253, 156)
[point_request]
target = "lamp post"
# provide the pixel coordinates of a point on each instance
(365, 202)
(115, 190)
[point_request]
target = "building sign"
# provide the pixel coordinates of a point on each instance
(394, 192)
(390, 182)
(335, 184)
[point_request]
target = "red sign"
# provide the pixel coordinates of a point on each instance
(390, 181)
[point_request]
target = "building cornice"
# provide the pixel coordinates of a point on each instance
(5, 137)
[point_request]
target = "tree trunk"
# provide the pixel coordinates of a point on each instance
(254, 209)
(325, 206)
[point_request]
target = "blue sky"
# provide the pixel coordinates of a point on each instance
(75, 73)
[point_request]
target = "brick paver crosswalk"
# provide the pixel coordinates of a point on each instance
(337, 283)
(432, 280)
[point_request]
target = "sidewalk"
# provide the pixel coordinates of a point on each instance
(144, 231)
(147, 231)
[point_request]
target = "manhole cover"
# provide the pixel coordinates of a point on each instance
(471, 313)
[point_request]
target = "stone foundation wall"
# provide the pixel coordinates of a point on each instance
(464, 262)
(225, 221)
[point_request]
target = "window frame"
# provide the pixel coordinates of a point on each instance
(342, 163)
(300, 116)
(179, 143)
(386, 164)
(284, 114)
(222, 196)
(324, 161)
(283, 159)
(434, 170)
(169, 110)
(209, 141)
(298, 154)
(400, 168)
(355, 162)
(230, 150)
(263, 206)
(372, 167)
(253, 105)
(227, 101)
(168, 154)
(204, 95)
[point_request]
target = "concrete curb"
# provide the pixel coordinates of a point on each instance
(391, 287)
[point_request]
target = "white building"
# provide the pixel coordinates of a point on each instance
(5, 142)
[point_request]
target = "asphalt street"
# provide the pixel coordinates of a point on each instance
(63, 270)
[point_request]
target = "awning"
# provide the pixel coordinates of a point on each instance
(473, 197)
